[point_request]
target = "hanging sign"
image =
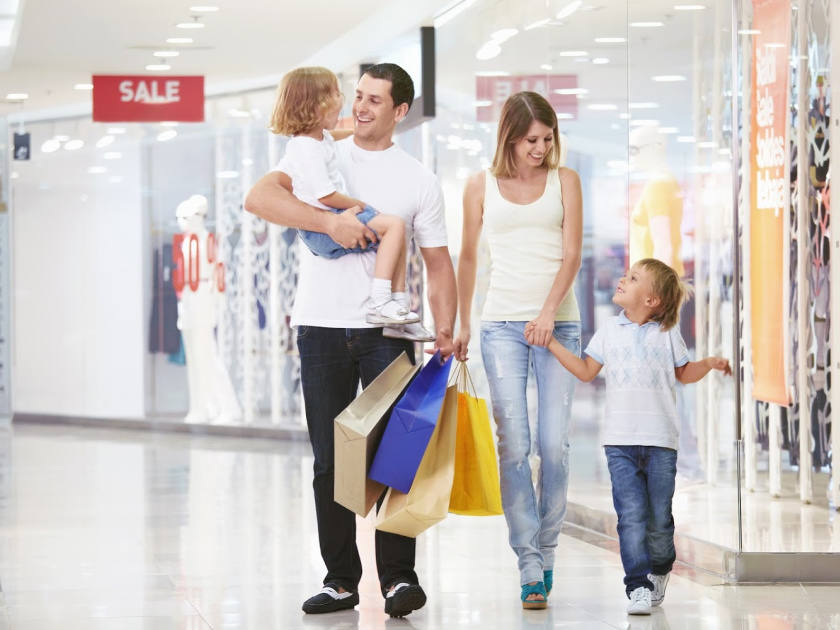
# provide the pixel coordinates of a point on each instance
(22, 143)
(769, 196)
(146, 98)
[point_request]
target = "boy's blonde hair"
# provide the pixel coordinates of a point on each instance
(303, 98)
(671, 290)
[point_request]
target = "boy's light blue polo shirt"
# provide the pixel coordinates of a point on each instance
(639, 364)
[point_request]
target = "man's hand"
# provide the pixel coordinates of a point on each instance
(346, 230)
(444, 343)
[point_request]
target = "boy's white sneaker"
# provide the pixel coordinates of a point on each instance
(657, 596)
(639, 602)
(411, 332)
(390, 312)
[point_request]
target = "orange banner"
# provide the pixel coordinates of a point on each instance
(769, 197)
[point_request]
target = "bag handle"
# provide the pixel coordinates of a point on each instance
(461, 377)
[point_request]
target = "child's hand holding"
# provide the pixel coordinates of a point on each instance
(719, 363)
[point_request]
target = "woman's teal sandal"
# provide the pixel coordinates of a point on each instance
(548, 580)
(534, 589)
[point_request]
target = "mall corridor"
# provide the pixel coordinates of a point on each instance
(121, 530)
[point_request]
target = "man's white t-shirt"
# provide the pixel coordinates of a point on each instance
(313, 166)
(333, 293)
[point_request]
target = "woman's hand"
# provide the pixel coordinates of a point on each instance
(462, 342)
(540, 331)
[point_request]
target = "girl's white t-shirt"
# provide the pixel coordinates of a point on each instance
(313, 166)
(332, 293)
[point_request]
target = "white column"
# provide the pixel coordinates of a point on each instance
(803, 390)
(275, 315)
(246, 278)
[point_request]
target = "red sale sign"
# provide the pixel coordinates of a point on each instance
(492, 92)
(148, 98)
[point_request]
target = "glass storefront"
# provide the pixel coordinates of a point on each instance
(644, 98)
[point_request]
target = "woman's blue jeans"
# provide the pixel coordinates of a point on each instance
(534, 515)
(643, 489)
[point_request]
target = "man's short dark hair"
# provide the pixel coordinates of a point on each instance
(402, 87)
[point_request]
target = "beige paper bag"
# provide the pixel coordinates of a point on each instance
(358, 430)
(427, 502)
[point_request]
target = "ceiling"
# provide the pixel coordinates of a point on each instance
(62, 43)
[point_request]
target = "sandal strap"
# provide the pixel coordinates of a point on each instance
(533, 589)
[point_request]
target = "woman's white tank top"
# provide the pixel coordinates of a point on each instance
(526, 251)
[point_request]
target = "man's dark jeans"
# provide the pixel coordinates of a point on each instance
(332, 362)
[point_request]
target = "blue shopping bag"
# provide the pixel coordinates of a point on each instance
(410, 427)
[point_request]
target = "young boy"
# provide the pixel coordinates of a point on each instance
(644, 355)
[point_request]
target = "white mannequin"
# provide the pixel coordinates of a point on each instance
(655, 220)
(212, 397)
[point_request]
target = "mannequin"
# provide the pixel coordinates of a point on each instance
(657, 215)
(212, 397)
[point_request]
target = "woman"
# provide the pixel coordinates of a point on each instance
(531, 212)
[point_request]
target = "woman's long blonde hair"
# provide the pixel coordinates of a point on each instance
(303, 98)
(518, 112)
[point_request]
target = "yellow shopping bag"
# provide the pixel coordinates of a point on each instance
(475, 488)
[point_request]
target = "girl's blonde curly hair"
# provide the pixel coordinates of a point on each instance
(304, 96)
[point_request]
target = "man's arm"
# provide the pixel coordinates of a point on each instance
(443, 297)
(271, 199)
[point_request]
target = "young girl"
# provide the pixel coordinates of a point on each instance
(644, 355)
(308, 104)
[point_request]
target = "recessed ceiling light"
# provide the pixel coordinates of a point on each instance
(166, 53)
(567, 10)
(602, 107)
(689, 7)
(179, 40)
(610, 40)
(204, 9)
(158, 66)
(546, 66)
(643, 105)
(571, 91)
(668, 78)
(17, 96)
(105, 141)
(72, 145)
(163, 136)
(599, 61)
(488, 51)
(194, 24)
(83, 86)
(536, 24)
(574, 53)
(50, 146)
(646, 24)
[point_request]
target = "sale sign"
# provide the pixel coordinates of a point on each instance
(769, 197)
(146, 98)
(492, 92)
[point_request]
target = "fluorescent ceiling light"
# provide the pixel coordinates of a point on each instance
(643, 105)
(450, 12)
(179, 40)
(163, 136)
(105, 141)
(610, 40)
(83, 86)
(158, 66)
(574, 53)
(536, 24)
(204, 9)
(689, 7)
(668, 78)
(571, 91)
(190, 25)
(166, 53)
(599, 61)
(488, 51)
(569, 9)
(72, 145)
(50, 146)
(17, 96)
(601, 107)
(646, 24)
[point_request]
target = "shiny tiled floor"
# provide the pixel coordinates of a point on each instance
(115, 530)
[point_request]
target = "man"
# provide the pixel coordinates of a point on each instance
(337, 347)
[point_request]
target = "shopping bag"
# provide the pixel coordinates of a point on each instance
(427, 502)
(475, 485)
(410, 427)
(358, 431)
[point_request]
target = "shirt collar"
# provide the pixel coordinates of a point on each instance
(623, 321)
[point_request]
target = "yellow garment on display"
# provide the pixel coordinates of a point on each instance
(661, 197)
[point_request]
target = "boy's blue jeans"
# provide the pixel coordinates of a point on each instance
(643, 488)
